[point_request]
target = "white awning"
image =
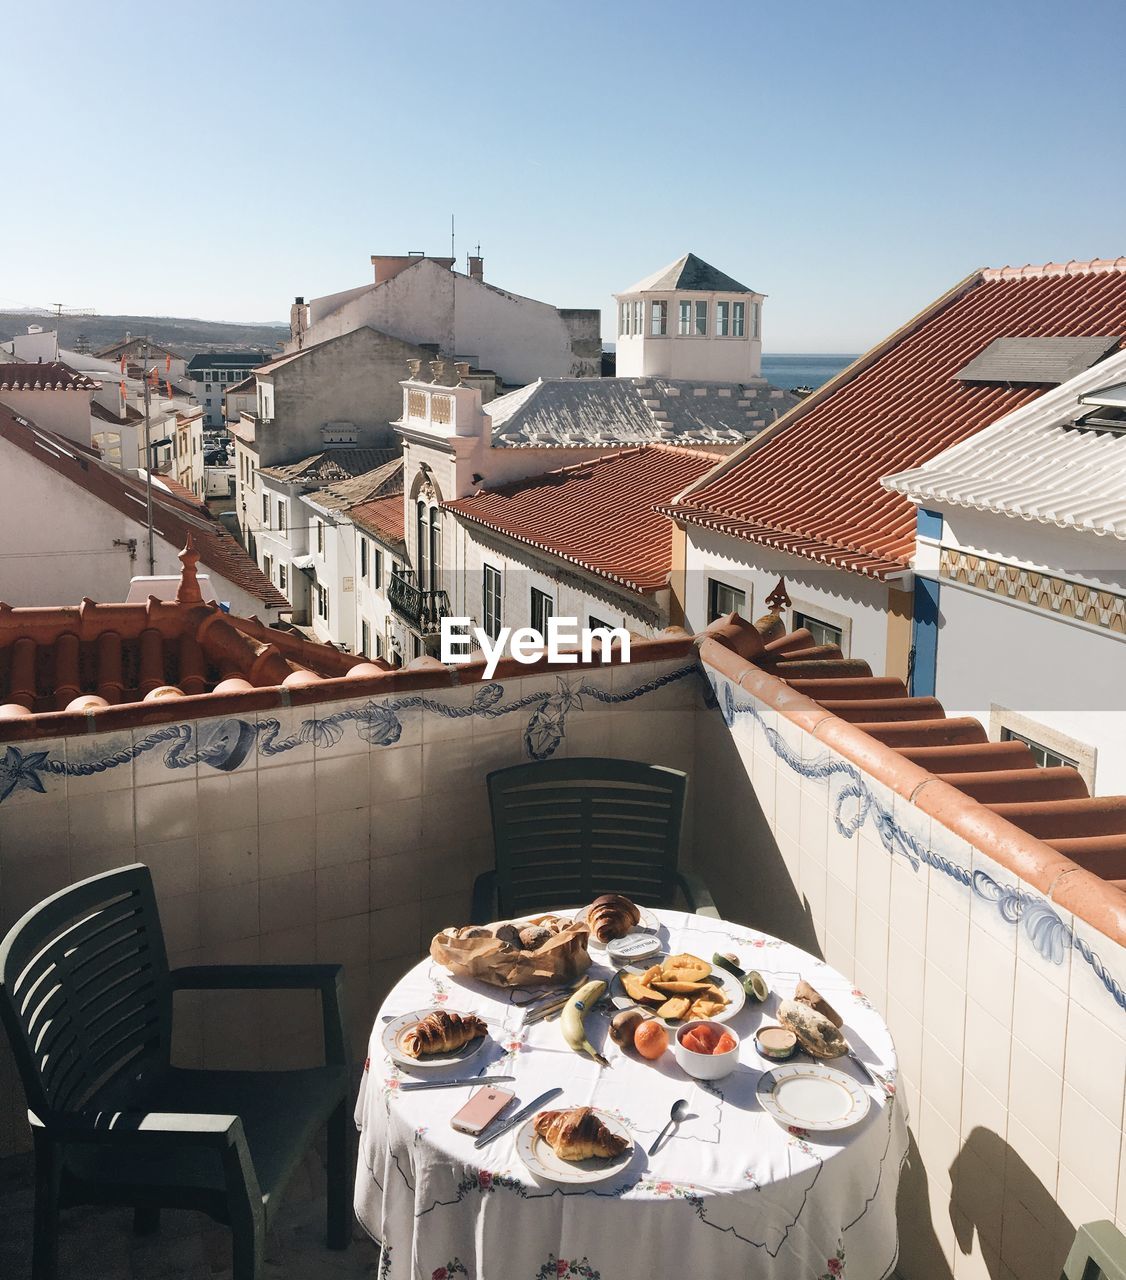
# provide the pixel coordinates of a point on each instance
(302, 562)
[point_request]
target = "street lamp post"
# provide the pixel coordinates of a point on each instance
(148, 458)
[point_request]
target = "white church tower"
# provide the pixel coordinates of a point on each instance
(689, 320)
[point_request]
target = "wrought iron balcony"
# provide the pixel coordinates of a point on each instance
(422, 611)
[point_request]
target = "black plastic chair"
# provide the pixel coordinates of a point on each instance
(1098, 1253)
(566, 831)
(86, 997)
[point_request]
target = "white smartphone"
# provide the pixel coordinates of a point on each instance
(482, 1109)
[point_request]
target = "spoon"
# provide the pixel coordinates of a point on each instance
(679, 1111)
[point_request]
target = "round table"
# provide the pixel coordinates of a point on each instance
(731, 1193)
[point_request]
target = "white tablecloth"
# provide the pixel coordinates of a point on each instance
(731, 1194)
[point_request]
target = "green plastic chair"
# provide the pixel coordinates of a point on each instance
(1099, 1253)
(86, 997)
(566, 831)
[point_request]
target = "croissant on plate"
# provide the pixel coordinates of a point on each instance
(611, 916)
(578, 1134)
(441, 1032)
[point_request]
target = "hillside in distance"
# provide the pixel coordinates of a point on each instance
(184, 336)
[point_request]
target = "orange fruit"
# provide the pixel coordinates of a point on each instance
(651, 1039)
(725, 1044)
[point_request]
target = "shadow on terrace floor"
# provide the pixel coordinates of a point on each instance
(98, 1244)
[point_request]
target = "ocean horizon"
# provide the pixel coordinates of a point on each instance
(802, 370)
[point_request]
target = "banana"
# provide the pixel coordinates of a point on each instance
(571, 1019)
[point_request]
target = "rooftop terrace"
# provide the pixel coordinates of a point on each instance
(315, 811)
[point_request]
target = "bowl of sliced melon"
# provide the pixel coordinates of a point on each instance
(706, 1050)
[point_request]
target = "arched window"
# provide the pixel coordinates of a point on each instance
(422, 542)
(435, 548)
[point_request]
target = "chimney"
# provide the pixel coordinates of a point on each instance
(476, 268)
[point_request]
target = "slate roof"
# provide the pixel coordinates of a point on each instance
(174, 520)
(811, 485)
(50, 375)
(225, 360)
(691, 274)
(1035, 464)
(599, 515)
(556, 412)
(330, 465)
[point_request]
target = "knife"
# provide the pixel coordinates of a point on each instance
(452, 1084)
(522, 1114)
(864, 1068)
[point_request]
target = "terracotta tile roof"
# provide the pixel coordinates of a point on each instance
(51, 375)
(383, 518)
(330, 465)
(1051, 804)
(1049, 461)
(812, 484)
(185, 495)
(599, 515)
(175, 520)
(100, 655)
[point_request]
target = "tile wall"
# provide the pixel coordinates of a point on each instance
(1008, 1015)
(346, 832)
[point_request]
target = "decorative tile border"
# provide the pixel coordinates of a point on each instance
(224, 745)
(1052, 937)
(1095, 606)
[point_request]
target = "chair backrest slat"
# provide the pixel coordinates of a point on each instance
(84, 988)
(569, 830)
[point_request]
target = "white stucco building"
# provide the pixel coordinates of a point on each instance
(72, 526)
(1022, 532)
(423, 300)
(690, 320)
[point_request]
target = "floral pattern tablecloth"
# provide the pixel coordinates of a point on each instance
(732, 1193)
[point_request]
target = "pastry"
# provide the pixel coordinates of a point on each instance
(578, 1134)
(441, 1032)
(611, 916)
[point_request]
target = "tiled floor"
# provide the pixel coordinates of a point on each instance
(99, 1244)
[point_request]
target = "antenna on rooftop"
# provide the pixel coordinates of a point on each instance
(453, 252)
(60, 309)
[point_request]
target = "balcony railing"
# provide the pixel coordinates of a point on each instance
(422, 611)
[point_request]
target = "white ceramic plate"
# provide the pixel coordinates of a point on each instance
(542, 1162)
(727, 982)
(394, 1031)
(811, 1096)
(647, 924)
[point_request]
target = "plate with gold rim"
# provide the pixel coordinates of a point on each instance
(808, 1095)
(395, 1030)
(541, 1161)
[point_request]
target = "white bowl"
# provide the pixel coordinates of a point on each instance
(705, 1066)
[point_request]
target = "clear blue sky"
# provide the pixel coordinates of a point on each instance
(852, 160)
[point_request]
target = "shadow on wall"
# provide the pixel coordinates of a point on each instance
(734, 848)
(996, 1203)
